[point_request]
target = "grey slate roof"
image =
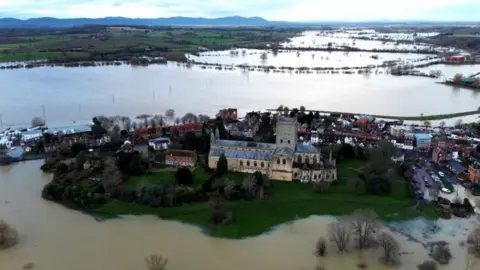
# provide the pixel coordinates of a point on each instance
(284, 151)
(270, 146)
(245, 154)
(306, 148)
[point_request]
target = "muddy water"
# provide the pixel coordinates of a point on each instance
(55, 238)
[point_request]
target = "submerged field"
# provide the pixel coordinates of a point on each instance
(287, 201)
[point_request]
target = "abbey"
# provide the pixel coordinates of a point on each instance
(286, 160)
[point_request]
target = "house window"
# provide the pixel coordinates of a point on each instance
(284, 161)
(281, 140)
(262, 164)
(327, 176)
(255, 164)
(278, 160)
(248, 163)
(288, 141)
(314, 177)
(295, 175)
(241, 163)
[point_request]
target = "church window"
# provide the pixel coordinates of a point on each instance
(284, 161)
(248, 163)
(255, 164)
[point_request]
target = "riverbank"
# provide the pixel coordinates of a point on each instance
(465, 86)
(405, 118)
(286, 202)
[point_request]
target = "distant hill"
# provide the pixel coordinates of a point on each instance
(47, 22)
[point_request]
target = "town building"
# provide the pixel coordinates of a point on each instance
(422, 140)
(399, 131)
(441, 155)
(458, 59)
(185, 158)
(474, 172)
(159, 143)
(286, 159)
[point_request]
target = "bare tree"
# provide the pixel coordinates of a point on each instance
(321, 247)
(189, 118)
(8, 235)
(115, 132)
(427, 265)
(473, 241)
(156, 262)
(458, 123)
(178, 120)
(38, 122)
(159, 119)
(126, 123)
(364, 224)
(340, 234)
(442, 124)
(390, 248)
(170, 114)
(144, 117)
(111, 176)
(441, 253)
(203, 118)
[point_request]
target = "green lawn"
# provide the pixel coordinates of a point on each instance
(199, 176)
(24, 56)
(287, 201)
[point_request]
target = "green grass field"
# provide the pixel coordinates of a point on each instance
(286, 201)
(115, 40)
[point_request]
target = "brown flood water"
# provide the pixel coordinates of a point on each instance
(55, 238)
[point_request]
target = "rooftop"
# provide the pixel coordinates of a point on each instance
(456, 166)
(266, 146)
(422, 136)
(306, 148)
(244, 154)
(284, 151)
(180, 153)
(286, 119)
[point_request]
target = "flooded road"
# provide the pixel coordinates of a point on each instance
(55, 238)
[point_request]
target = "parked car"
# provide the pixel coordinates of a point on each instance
(427, 184)
(441, 174)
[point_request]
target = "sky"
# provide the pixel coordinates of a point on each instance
(278, 10)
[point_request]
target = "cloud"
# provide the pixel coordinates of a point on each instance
(292, 10)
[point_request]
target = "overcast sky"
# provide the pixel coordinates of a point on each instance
(285, 10)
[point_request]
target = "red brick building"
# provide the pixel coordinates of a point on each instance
(185, 158)
(180, 130)
(474, 173)
(441, 155)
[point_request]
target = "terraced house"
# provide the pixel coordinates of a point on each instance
(286, 159)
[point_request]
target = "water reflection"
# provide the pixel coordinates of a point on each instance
(61, 90)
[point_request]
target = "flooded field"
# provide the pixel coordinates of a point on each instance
(358, 39)
(305, 59)
(55, 238)
(77, 94)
